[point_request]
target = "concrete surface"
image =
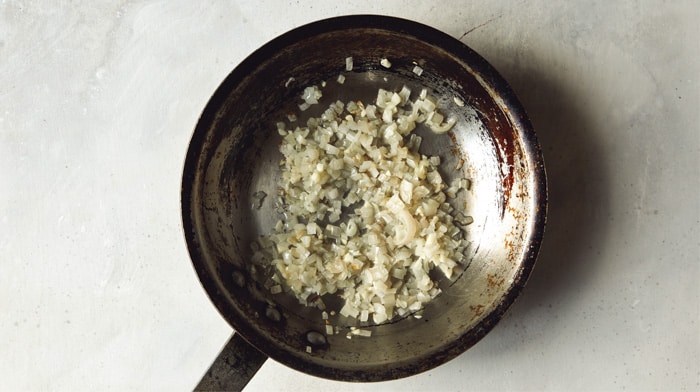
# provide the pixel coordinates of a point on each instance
(98, 101)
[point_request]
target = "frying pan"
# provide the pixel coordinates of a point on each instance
(233, 157)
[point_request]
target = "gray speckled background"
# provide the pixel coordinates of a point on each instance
(97, 105)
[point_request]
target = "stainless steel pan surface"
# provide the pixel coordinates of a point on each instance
(234, 154)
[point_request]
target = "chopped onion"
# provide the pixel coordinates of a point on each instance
(365, 214)
(311, 95)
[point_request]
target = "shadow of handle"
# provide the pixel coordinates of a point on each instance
(233, 368)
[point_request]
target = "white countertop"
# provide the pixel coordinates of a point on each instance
(97, 105)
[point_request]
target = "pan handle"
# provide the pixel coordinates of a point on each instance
(233, 368)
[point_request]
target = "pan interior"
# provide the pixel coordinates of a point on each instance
(235, 154)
